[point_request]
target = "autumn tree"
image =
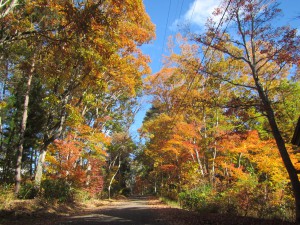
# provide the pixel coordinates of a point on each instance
(267, 53)
(121, 49)
(207, 137)
(88, 65)
(118, 152)
(185, 119)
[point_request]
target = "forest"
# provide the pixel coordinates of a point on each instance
(217, 138)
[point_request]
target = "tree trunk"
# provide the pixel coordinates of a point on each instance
(39, 168)
(32, 163)
(282, 149)
(113, 177)
(199, 163)
(2, 96)
(288, 165)
(88, 174)
(23, 129)
(214, 150)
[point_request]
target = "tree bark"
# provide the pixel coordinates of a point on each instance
(113, 177)
(199, 163)
(18, 177)
(39, 168)
(214, 150)
(292, 172)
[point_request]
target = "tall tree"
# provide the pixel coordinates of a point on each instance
(102, 60)
(267, 52)
(23, 126)
(118, 152)
(89, 52)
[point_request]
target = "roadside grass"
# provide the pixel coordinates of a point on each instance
(169, 202)
(6, 196)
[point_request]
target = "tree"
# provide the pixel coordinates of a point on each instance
(23, 127)
(100, 55)
(86, 68)
(267, 54)
(192, 102)
(118, 152)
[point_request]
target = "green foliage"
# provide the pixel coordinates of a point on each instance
(170, 202)
(81, 195)
(58, 189)
(125, 191)
(28, 191)
(199, 199)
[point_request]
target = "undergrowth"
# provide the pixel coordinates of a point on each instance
(169, 202)
(6, 195)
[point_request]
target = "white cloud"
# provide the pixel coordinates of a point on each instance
(200, 10)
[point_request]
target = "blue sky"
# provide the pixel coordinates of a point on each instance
(166, 14)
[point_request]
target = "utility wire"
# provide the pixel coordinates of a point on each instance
(200, 65)
(166, 27)
(193, 11)
(175, 14)
(204, 56)
(181, 8)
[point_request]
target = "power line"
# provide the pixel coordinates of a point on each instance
(181, 8)
(193, 11)
(204, 56)
(166, 27)
(175, 14)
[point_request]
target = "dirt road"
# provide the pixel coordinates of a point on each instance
(133, 211)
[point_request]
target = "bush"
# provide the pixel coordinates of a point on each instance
(81, 195)
(57, 190)
(245, 197)
(260, 200)
(28, 191)
(172, 203)
(171, 194)
(200, 199)
(125, 191)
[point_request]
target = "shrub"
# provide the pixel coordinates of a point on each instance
(171, 194)
(58, 189)
(200, 199)
(125, 191)
(28, 191)
(81, 195)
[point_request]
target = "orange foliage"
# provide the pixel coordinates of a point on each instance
(79, 159)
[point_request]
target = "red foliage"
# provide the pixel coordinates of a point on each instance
(69, 161)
